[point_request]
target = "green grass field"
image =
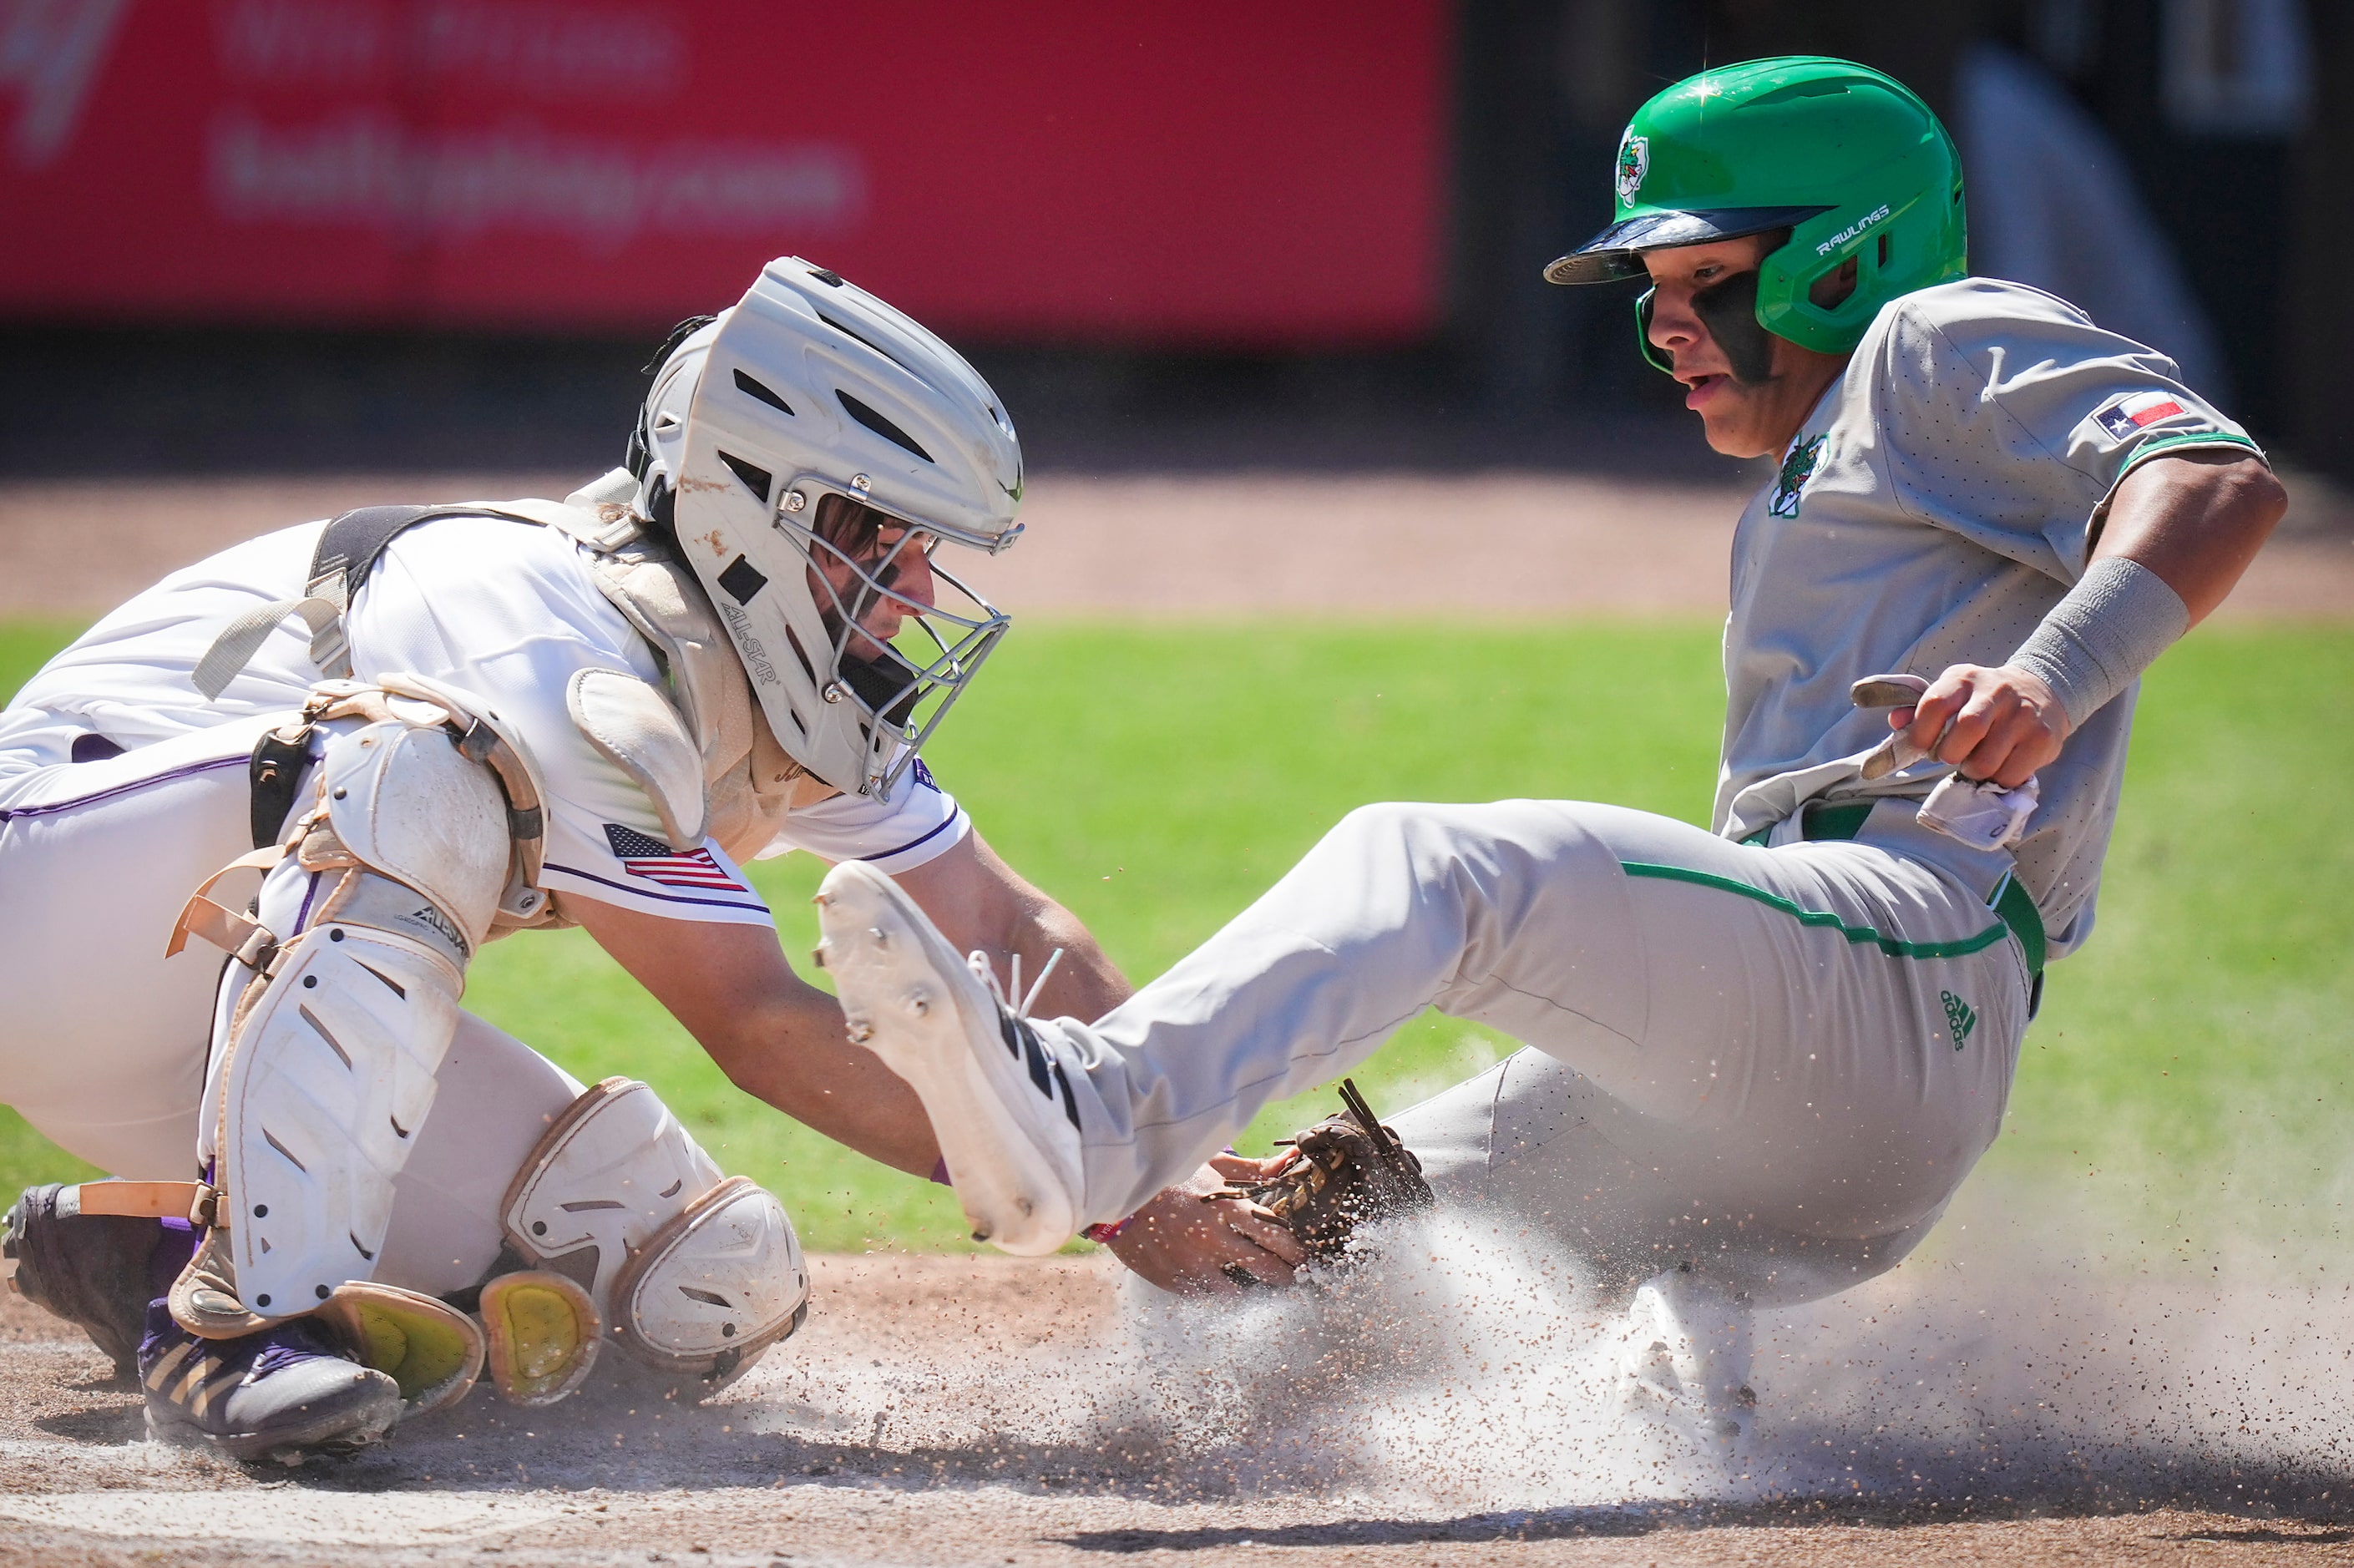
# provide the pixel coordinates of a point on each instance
(1156, 780)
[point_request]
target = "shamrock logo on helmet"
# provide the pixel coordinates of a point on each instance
(1634, 162)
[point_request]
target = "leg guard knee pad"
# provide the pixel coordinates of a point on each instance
(691, 1273)
(430, 1349)
(327, 1071)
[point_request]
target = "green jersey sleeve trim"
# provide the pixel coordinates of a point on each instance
(1859, 935)
(2157, 446)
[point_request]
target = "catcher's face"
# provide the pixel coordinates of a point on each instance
(870, 569)
(1743, 419)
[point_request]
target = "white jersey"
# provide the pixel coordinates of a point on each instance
(1937, 503)
(505, 610)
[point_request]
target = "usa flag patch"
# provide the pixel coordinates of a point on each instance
(2121, 416)
(657, 862)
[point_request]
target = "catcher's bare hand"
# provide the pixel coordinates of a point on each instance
(1999, 724)
(1194, 1248)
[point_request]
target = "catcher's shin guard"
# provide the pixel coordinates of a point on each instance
(323, 1069)
(694, 1273)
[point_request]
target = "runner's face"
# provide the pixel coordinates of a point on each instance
(895, 555)
(1742, 418)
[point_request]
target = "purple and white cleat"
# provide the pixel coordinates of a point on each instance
(287, 1394)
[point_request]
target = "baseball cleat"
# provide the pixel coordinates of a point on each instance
(286, 1394)
(89, 1269)
(998, 1100)
(1684, 1354)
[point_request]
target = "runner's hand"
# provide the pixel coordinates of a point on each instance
(1999, 724)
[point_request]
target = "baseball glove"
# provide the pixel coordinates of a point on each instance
(1345, 1171)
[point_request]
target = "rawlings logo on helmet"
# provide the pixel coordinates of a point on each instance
(1634, 162)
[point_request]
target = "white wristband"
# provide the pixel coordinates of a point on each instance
(2111, 627)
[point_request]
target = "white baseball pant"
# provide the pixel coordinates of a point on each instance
(102, 1044)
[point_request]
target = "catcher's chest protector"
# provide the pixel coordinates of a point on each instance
(746, 782)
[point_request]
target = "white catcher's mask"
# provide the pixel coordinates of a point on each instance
(811, 388)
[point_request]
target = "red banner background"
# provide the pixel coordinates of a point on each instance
(1217, 172)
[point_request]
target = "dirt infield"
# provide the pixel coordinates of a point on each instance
(963, 1411)
(1501, 544)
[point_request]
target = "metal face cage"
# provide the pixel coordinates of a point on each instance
(903, 687)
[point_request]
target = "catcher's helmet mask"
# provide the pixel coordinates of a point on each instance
(849, 533)
(782, 440)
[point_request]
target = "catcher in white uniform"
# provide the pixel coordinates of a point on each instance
(1763, 1056)
(369, 746)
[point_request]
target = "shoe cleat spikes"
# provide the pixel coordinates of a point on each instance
(940, 1026)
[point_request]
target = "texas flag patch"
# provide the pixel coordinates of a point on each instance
(657, 862)
(2121, 416)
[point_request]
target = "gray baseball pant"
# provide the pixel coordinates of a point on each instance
(1783, 1059)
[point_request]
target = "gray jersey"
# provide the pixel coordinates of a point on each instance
(1934, 506)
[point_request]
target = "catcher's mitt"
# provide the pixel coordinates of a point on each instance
(1345, 1171)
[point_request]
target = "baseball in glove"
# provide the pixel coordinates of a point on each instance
(1345, 1171)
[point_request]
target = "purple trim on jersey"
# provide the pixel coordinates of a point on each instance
(11, 813)
(660, 897)
(303, 919)
(912, 843)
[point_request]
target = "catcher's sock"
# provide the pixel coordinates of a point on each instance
(93, 1270)
(287, 1393)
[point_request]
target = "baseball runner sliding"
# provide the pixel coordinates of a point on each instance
(1761, 1056)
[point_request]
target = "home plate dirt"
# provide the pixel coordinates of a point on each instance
(986, 1411)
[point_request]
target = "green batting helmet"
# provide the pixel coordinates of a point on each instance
(1851, 161)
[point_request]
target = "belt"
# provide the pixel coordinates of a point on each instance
(2010, 903)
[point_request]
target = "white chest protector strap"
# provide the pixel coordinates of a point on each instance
(703, 753)
(694, 1273)
(348, 547)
